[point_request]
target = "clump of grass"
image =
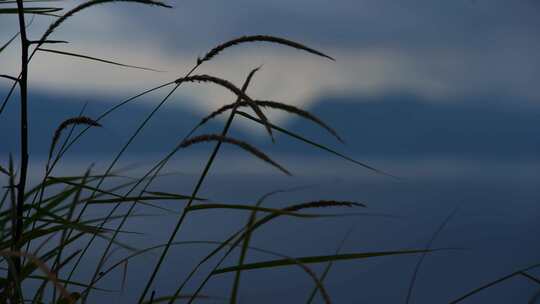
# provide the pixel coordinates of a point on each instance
(58, 206)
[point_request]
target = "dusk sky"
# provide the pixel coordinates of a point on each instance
(439, 50)
(443, 95)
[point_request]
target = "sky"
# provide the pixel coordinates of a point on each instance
(441, 93)
(442, 51)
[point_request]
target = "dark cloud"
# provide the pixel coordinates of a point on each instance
(346, 23)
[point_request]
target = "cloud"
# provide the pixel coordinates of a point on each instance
(441, 51)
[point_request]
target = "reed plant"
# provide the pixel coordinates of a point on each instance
(48, 229)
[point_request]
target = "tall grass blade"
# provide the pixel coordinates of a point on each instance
(239, 236)
(259, 38)
(30, 10)
(322, 147)
(245, 244)
(327, 268)
(95, 59)
(317, 259)
(195, 192)
(423, 255)
(51, 276)
(235, 90)
(16, 80)
(275, 105)
(249, 208)
(74, 121)
(4, 171)
(5, 45)
(493, 283)
(89, 4)
(247, 147)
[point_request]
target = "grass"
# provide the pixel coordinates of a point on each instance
(48, 229)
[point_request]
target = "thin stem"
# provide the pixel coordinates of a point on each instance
(193, 195)
(119, 154)
(24, 141)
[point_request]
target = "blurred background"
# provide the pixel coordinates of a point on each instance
(443, 94)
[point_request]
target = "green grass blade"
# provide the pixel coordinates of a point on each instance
(316, 259)
(95, 59)
(30, 10)
(183, 297)
(137, 198)
(3, 47)
(245, 245)
(310, 142)
(423, 255)
(493, 283)
(249, 208)
(327, 268)
(195, 192)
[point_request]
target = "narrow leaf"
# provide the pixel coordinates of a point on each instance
(259, 38)
(316, 259)
(241, 144)
(95, 59)
(301, 138)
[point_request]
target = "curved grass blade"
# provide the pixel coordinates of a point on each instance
(28, 1)
(116, 159)
(239, 236)
(535, 297)
(235, 90)
(182, 297)
(195, 190)
(138, 199)
(10, 78)
(423, 255)
(259, 38)
(5, 45)
(275, 105)
(52, 253)
(42, 266)
(291, 134)
(317, 259)
(57, 265)
(47, 42)
(173, 195)
(74, 283)
(248, 208)
(89, 4)
(30, 10)
(247, 239)
(12, 88)
(292, 260)
(38, 233)
(95, 59)
(200, 181)
(220, 138)
(74, 121)
(493, 283)
(143, 251)
(327, 268)
(118, 198)
(291, 210)
(4, 171)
